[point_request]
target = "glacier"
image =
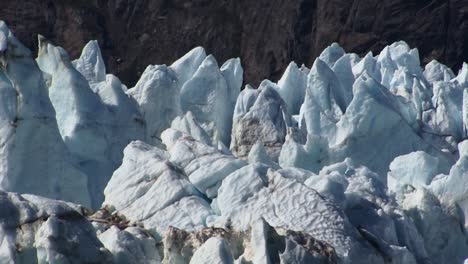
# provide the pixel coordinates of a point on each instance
(353, 160)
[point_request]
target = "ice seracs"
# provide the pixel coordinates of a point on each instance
(343, 71)
(215, 250)
(187, 65)
(374, 112)
(194, 84)
(331, 54)
(368, 65)
(39, 230)
(416, 169)
(259, 116)
(29, 131)
(356, 160)
(157, 95)
(232, 72)
(206, 95)
(435, 72)
(462, 76)
(188, 126)
(451, 189)
(131, 245)
(325, 100)
(144, 175)
(90, 64)
(447, 117)
(444, 237)
(206, 166)
(92, 129)
(3, 41)
(349, 105)
(291, 87)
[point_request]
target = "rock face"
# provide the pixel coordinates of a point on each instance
(265, 34)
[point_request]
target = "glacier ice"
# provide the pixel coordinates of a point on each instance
(214, 250)
(90, 64)
(416, 169)
(332, 54)
(232, 72)
(207, 96)
(206, 166)
(462, 76)
(291, 88)
(451, 188)
(156, 94)
(189, 126)
(258, 154)
(93, 133)
(146, 174)
(435, 72)
(259, 116)
(368, 65)
(445, 238)
(132, 245)
(3, 41)
(355, 160)
(34, 157)
(186, 66)
(39, 230)
(343, 71)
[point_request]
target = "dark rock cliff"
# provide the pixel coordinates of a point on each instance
(266, 34)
